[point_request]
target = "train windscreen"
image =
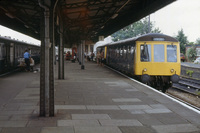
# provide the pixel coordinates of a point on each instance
(159, 53)
(145, 53)
(171, 53)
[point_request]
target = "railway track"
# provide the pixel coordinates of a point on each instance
(191, 86)
(187, 91)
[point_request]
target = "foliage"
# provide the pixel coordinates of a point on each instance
(191, 43)
(182, 39)
(191, 54)
(138, 28)
(198, 41)
(189, 72)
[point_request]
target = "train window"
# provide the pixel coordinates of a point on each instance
(121, 50)
(124, 53)
(132, 50)
(117, 51)
(171, 53)
(159, 53)
(145, 53)
(3, 50)
(129, 49)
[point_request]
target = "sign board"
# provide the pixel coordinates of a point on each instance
(101, 38)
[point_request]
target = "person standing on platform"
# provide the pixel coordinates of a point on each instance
(102, 58)
(27, 57)
(98, 58)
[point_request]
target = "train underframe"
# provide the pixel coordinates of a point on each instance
(160, 82)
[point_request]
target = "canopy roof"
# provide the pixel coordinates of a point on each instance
(82, 19)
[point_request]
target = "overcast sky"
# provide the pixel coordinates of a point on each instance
(183, 14)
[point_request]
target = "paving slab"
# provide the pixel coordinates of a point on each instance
(41, 123)
(90, 116)
(126, 100)
(80, 123)
(176, 128)
(13, 123)
(136, 129)
(134, 107)
(103, 107)
(70, 107)
(57, 130)
(127, 122)
(21, 130)
(97, 130)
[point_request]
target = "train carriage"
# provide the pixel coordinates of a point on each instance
(153, 58)
(11, 51)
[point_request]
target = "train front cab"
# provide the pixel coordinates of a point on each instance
(158, 62)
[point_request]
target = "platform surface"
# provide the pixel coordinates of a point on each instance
(93, 100)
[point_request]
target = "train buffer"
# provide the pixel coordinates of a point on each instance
(93, 100)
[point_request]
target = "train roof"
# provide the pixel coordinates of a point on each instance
(156, 37)
(146, 37)
(10, 40)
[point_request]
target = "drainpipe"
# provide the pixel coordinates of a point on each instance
(54, 55)
(47, 45)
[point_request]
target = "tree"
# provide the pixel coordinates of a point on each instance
(198, 41)
(138, 28)
(182, 39)
(191, 53)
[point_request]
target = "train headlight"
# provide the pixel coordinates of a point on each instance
(172, 70)
(144, 70)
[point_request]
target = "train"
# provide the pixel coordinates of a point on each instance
(153, 59)
(12, 51)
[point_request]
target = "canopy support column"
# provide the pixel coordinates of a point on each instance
(82, 54)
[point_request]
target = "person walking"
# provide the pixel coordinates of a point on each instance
(27, 57)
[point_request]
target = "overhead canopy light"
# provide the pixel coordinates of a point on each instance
(9, 15)
(114, 16)
(26, 26)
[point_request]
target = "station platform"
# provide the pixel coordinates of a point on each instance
(93, 100)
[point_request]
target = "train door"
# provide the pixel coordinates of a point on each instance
(7, 61)
(2, 57)
(132, 58)
(12, 54)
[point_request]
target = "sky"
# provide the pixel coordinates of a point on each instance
(182, 14)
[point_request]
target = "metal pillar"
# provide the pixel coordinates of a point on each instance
(82, 54)
(51, 68)
(79, 54)
(46, 66)
(61, 58)
(42, 70)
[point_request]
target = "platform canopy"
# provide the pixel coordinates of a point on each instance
(82, 19)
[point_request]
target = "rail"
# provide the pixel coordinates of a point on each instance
(188, 85)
